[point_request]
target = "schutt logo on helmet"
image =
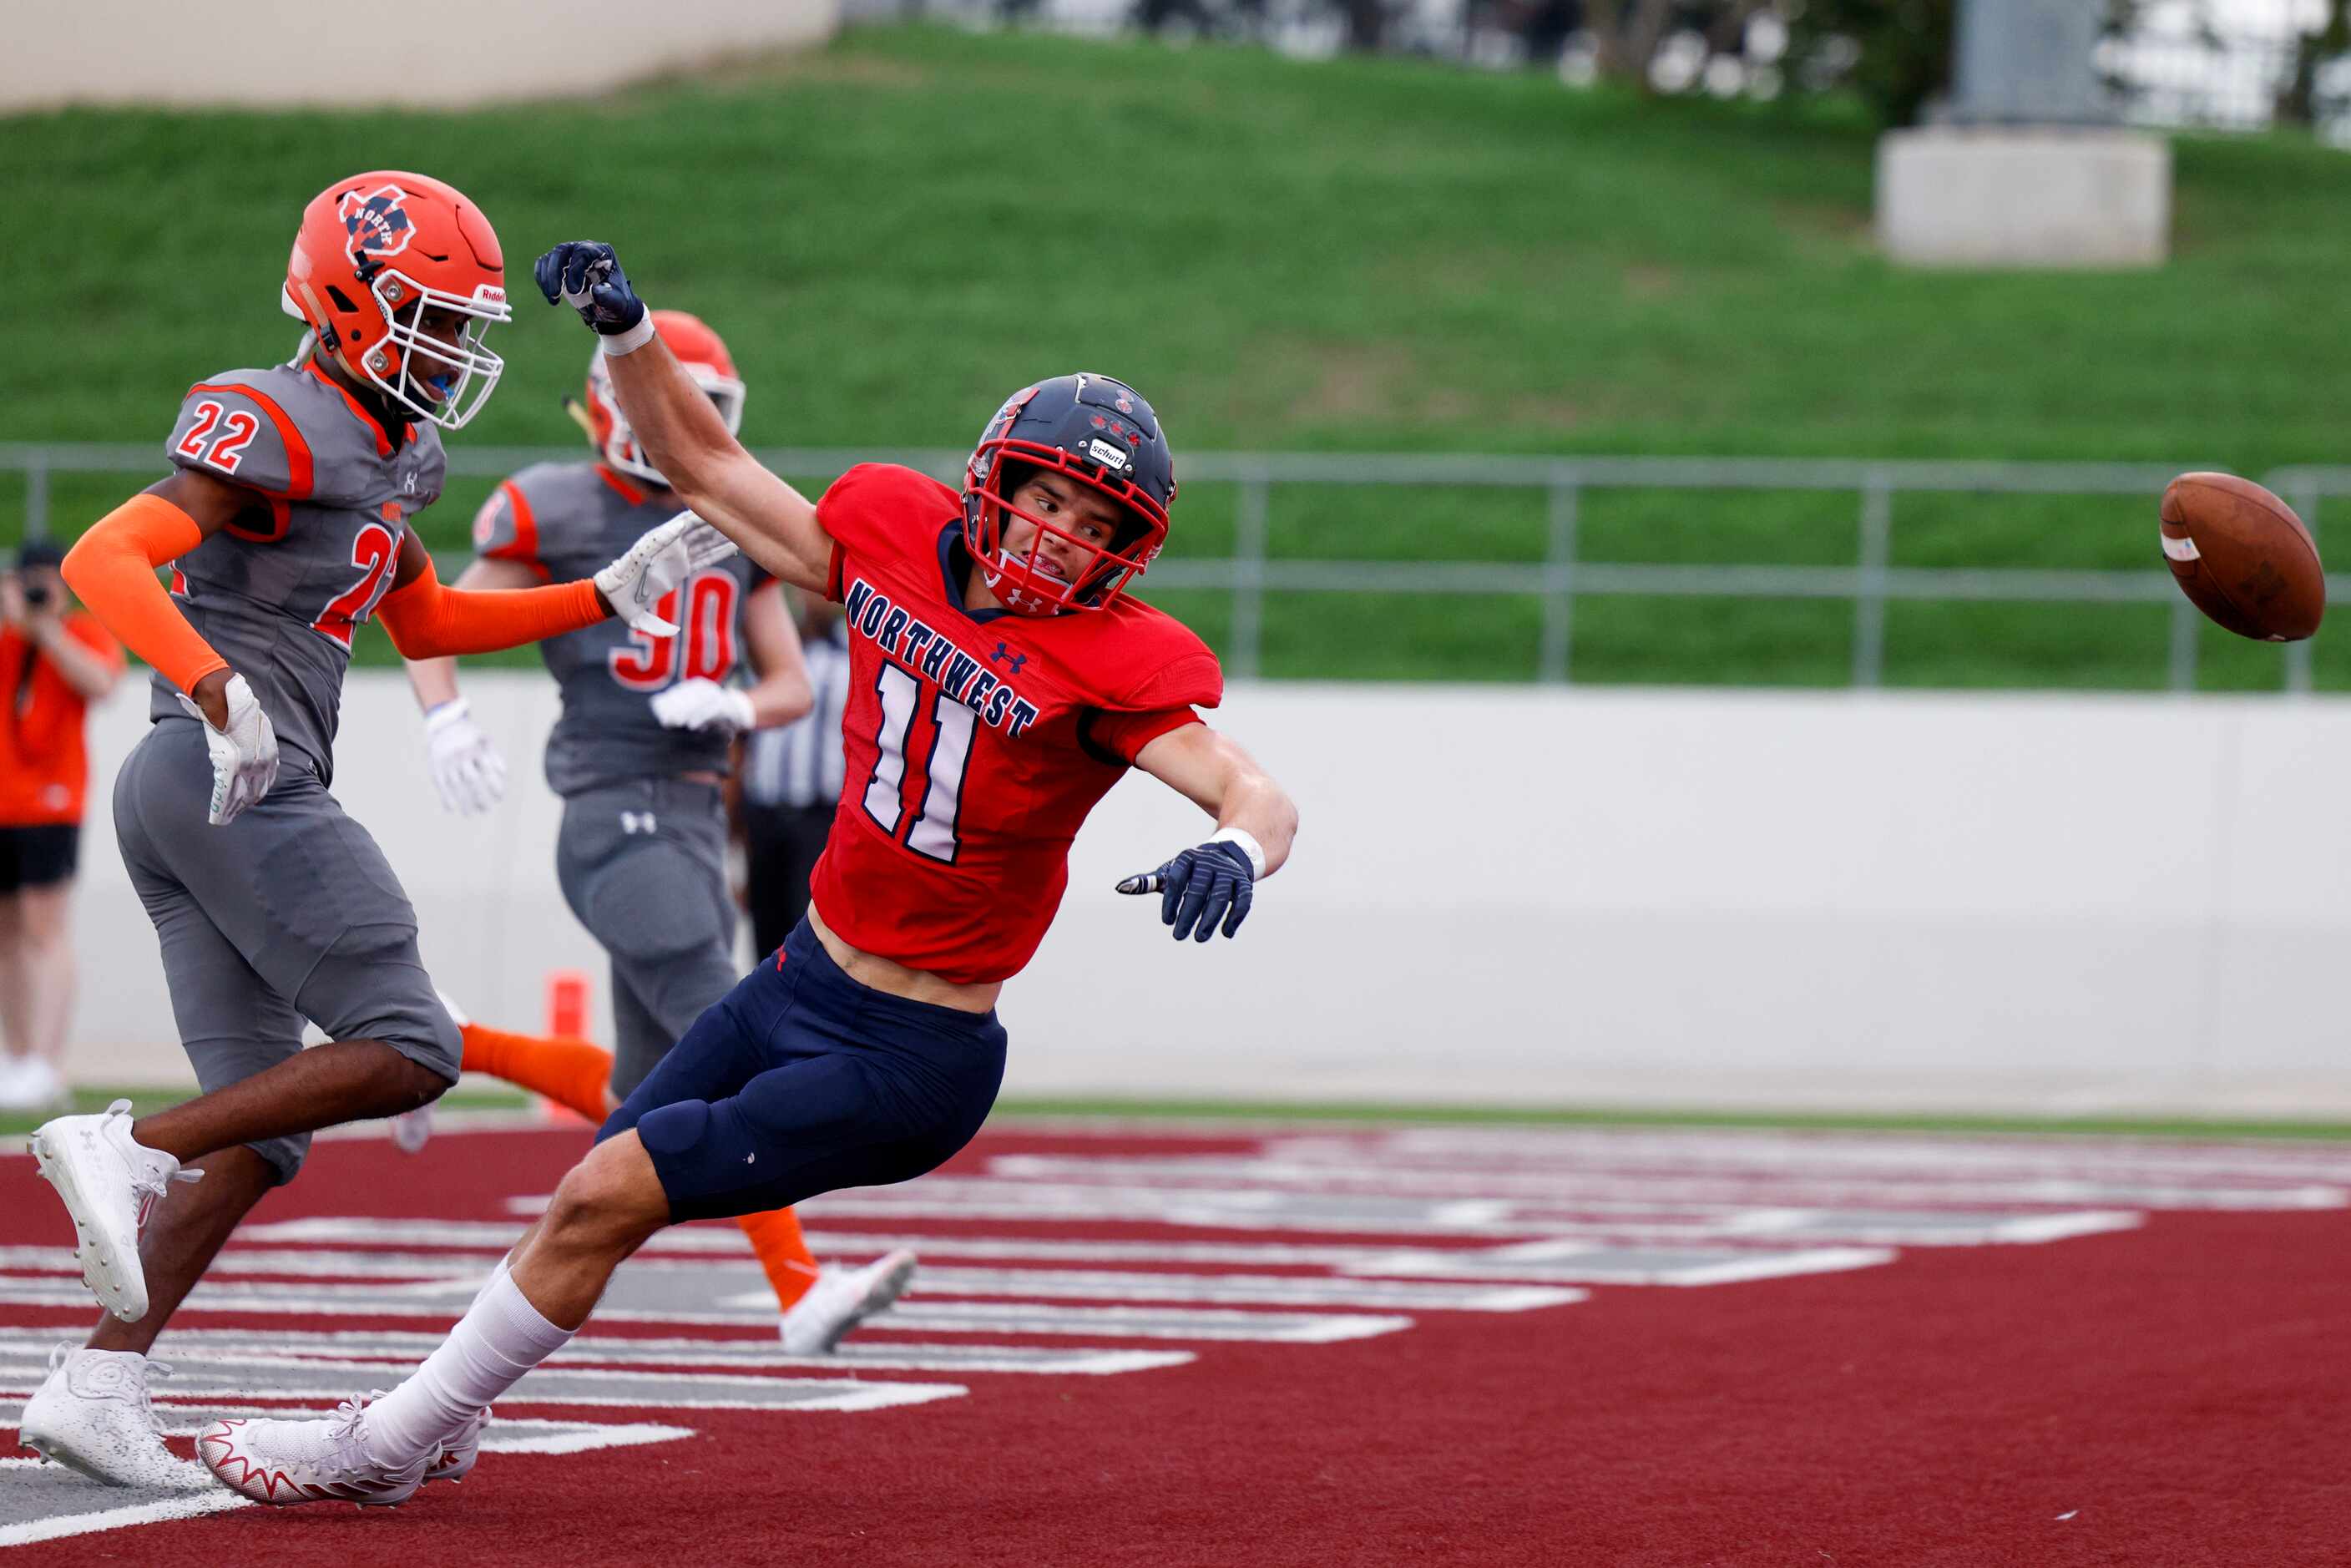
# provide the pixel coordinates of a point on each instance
(377, 222)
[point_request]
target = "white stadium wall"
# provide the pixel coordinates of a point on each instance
(1514, 896)
(267, 54)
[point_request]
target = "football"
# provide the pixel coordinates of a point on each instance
(2242, 557)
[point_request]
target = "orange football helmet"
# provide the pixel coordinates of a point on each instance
(377, 252)
(704, 354)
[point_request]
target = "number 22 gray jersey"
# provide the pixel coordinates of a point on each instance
(280, 591)
(566, 520)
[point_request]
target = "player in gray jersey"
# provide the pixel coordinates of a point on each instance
(639, 754)
(287, 522)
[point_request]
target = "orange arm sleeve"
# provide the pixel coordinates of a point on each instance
(112, 570)
(427, 620)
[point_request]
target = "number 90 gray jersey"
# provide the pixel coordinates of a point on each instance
(280, 591)
(566, 520)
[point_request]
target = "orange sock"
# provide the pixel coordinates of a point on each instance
(571, 1072)
(777, 1242)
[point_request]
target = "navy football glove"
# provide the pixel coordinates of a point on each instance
(585, 275)
(1201, 887)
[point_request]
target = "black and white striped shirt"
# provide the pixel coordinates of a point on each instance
(798, 764)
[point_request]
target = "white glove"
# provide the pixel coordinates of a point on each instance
(666, 557)
(467, 767)
(245, 755)
(698, 704)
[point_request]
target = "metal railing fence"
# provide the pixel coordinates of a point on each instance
(1560, 579)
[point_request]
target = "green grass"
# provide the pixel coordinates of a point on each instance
(146, 1099)
(1356, 255)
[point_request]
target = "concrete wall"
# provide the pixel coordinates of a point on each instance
(269, 54)
(1514, 895)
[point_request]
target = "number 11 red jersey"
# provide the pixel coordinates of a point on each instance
(974, 741)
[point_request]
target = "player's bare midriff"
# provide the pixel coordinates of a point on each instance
(893, 979)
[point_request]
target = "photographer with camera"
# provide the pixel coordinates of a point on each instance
(55, 661)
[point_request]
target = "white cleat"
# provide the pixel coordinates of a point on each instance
(841, 1299)
(412, 1130)
(319, 1460)
(92, 1414)
(459, 1449)
(109, 1182)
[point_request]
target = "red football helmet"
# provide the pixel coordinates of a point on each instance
(374, 253)
(1094, 431)
(703, 353)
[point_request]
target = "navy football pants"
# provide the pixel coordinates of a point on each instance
(800, 1081)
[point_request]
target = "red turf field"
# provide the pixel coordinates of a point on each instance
(1297, 1346)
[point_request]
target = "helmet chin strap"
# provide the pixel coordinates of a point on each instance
(1011, 595)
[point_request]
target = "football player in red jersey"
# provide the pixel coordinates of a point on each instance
(288, 521)
(638, 757)
(1002, 682)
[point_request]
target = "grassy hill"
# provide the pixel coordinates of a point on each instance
(1358, 256)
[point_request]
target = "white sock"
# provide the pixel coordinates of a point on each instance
(501, 1337)
(505, 1267)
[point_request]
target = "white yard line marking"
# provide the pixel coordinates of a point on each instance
(941, 1317)
(341, 1346)
(189, 1506)
(1515, 1192)
(279, 1378)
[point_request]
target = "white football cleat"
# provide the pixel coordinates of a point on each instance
(92, 1414)
(319, 1460)
(841, 1299)
(412, 1130)
(459, 1449)
(109, 1182)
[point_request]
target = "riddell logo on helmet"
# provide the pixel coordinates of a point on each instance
(377, 221)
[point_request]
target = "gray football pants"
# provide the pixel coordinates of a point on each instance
(289, 911)
(643, 865)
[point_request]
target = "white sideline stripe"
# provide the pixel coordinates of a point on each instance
(1752, 1227)
(1729, 1271)
(1140, 1323)
(850, 1393)
(286, 1263)
(33, 1531)
(1520, 1189)
(574, 1437)
(1261, 1211)
(551, 1437)
(547, 1437)
(338, 1348)
(1259, 1290)
(1585, 1148)
(1047, 1284)
(944, 1317)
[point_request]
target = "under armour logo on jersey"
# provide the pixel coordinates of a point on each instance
(408, 484)
(637, 821)
(376, 221)
(1003, 652)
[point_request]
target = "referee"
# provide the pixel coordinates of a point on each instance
(791, 781)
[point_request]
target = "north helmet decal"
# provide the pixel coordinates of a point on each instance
(377, 221)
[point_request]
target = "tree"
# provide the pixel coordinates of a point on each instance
(1895, 54)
